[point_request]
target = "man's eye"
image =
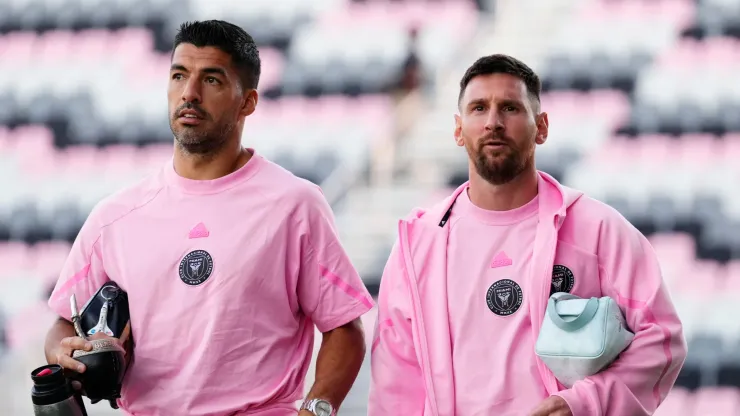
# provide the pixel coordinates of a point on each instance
(177, 76)
(212, 80)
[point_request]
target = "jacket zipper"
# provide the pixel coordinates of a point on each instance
(413, 285)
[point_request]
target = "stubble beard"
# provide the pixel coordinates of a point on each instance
(202, 143)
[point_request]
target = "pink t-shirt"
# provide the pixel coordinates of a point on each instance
(226, 280)
(489, 257)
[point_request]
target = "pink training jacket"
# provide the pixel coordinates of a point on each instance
(411, 352)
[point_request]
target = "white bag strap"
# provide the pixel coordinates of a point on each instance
(581, 320)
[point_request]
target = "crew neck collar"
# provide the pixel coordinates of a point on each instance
(511, 216)
(212, 186)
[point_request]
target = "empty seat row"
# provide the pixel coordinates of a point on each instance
(710, 363)
(343, 52)
(72, 122)
(715, 18)
(159, 16)
(129, 53)
(693, 152)
(596, 71)
(682, 117)
(645, 27)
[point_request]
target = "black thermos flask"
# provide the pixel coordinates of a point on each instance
(53, 395)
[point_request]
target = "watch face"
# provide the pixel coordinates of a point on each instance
(323, 409)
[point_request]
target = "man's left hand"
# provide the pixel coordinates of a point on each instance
(552, 406)
(305, 413)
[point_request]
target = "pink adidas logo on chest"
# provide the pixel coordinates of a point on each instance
(199, 231)
(501, 260)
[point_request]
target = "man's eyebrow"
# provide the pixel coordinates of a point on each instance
(209, 70)
(512, 102)
(214, 70)
(475, 102)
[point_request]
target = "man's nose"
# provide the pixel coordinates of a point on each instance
(494, 122)
(191, 93)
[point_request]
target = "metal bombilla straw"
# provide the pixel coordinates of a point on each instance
(76, 317)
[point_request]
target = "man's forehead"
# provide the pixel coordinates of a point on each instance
(495, 87)
(189, 55)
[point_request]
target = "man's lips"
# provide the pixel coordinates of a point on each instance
(189, 117)
(496, 144)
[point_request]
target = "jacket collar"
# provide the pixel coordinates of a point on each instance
(554, 201)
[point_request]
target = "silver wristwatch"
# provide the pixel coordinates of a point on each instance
(318, 407)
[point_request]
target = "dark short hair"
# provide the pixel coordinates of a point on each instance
(229, 38)
(502, 64)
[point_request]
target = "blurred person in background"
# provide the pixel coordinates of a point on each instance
(411, 71)
(408, 95)
(464, 292)
(228, 260)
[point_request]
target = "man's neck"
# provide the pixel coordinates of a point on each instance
(508, 196)
(211, 166)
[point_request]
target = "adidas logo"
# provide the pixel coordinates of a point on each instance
(199, 231)
(501, 260)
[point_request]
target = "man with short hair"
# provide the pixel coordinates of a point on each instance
(464, 293)
(228, 260)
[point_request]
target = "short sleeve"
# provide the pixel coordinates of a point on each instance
(330, 291)
(83, 272)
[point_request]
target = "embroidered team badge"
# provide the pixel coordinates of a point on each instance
(562, 279)
(196, 267)
(504, 297)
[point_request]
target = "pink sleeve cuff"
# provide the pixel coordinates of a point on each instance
(578, 405)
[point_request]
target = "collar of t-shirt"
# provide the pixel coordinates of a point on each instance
(465, 207)
(192, 186)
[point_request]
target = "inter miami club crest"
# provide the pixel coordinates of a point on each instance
(196, 267)
(504, 297)
(562, 279)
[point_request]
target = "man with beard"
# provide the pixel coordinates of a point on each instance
(229, 261)
(464, 292)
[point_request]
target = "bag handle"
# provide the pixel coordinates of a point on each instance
(581, 320)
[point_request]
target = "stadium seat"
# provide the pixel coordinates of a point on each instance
(643, 98)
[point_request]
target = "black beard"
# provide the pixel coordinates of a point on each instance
(502, 172)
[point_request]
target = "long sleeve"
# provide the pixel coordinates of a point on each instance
(640, 379)
(397, 385)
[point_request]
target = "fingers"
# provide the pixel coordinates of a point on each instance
(539, 412)
(64, 355)
(545, 408)
(76, 343)
(70, 363)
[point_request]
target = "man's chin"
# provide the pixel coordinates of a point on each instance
(498, 173)
(199, 145)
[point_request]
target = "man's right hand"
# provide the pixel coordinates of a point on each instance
(64, 353)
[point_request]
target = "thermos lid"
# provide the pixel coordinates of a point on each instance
(50, 385)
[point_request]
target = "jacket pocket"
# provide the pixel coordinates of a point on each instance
(575, 271)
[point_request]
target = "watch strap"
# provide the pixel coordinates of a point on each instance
(310, 405)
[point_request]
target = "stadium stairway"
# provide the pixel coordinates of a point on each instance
(368, 216)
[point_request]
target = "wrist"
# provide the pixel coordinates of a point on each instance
(317, 407)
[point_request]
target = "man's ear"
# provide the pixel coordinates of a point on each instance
(458, 131)
(543, 127)
(250, 103)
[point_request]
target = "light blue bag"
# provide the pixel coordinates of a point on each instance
(580, 337)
